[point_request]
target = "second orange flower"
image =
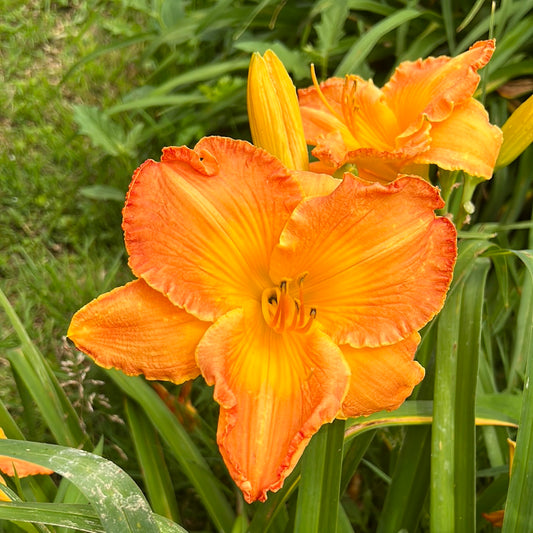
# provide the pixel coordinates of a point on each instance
(425, 114)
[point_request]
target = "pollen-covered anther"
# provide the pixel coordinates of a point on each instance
(283, 312)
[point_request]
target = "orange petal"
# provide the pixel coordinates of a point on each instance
(434, 86)
(366, 133)
(495, 518)
(10, 467)
(378, 261)
(317, 117)
(275, 391)
(357, 111)
(368, 163)
(200, 225)
(137, 330)
(382, 378)
(316, 184)
(465, 140)
(368, 117)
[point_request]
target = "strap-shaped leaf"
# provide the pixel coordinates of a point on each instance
(118, 501)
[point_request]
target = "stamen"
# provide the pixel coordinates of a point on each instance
(349, 108)
(289, 313)
(307, 327)
(321, 95)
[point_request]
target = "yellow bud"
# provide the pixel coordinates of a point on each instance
(274, 113)
(517, 133)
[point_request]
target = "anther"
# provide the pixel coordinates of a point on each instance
(321, 94)
(289, 313)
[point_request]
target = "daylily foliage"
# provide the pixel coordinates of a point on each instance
(297, 296)
(424, 114)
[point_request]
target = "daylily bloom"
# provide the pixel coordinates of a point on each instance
(425, 114)
(10, 466)
(298, 296)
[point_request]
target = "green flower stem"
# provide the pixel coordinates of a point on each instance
(442, 500)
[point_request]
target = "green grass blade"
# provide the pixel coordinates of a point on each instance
(467, 375)
(449, 26)
(68, 516)
(266, 514)
(357, 54)
(329, 510)
(408, 489)
(409, 484)
(43, 396)
(353, 454)
(318, 494)
(115, 497)
(8, 424)
(35, 372)
(80, 517)
(310, 489)
(151, 460)
(514, 38)
(491, 409)
(329, 30)
(201, 74)
(518, 510)
(523, 336)
(164, 100)
(180, 444)
(471, 14)
(14, 518)
(141, 37)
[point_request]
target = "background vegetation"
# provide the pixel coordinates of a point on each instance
(89, 90)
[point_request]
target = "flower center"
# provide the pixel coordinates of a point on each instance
(284, 313)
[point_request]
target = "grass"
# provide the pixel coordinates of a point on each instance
(58, 248)
(53, 238)
(76, 122)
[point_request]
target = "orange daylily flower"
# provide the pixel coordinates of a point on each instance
(425, 114)
(297, 296)
(10, 466)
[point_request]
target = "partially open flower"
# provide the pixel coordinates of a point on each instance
(273, 111)
(425, 114)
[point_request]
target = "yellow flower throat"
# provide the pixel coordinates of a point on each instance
(284, 313)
